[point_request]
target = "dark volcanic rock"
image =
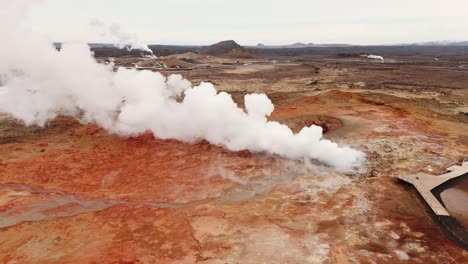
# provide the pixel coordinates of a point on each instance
(227, 48)
(221, 48)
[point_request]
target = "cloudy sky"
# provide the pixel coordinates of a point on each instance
(257, 21)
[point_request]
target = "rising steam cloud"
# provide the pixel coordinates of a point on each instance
(37, 83)
(375, 57)
(119, 38)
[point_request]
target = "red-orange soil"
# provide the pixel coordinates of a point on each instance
(72, 193)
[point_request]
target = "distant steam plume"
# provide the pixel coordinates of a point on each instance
(38, 83)
(119, 38)
(375, 57)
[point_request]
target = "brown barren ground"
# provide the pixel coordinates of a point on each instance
(72, 193)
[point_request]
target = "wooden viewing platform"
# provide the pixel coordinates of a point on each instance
(425, 183)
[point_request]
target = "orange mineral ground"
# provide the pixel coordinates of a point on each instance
(73, 193)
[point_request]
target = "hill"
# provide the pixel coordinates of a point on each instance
(227, 48)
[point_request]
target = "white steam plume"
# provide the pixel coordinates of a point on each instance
(119, 38)
(37, 83)
(375, 57)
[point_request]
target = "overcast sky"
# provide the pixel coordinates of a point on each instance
(257, 21)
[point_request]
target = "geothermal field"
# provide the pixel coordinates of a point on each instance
(229, 153)
(77, 192)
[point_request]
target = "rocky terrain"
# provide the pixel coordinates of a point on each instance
(230, 48)
(73, 193)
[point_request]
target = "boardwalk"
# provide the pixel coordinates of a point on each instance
(424, 183)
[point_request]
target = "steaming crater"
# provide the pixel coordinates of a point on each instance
(129, 102)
